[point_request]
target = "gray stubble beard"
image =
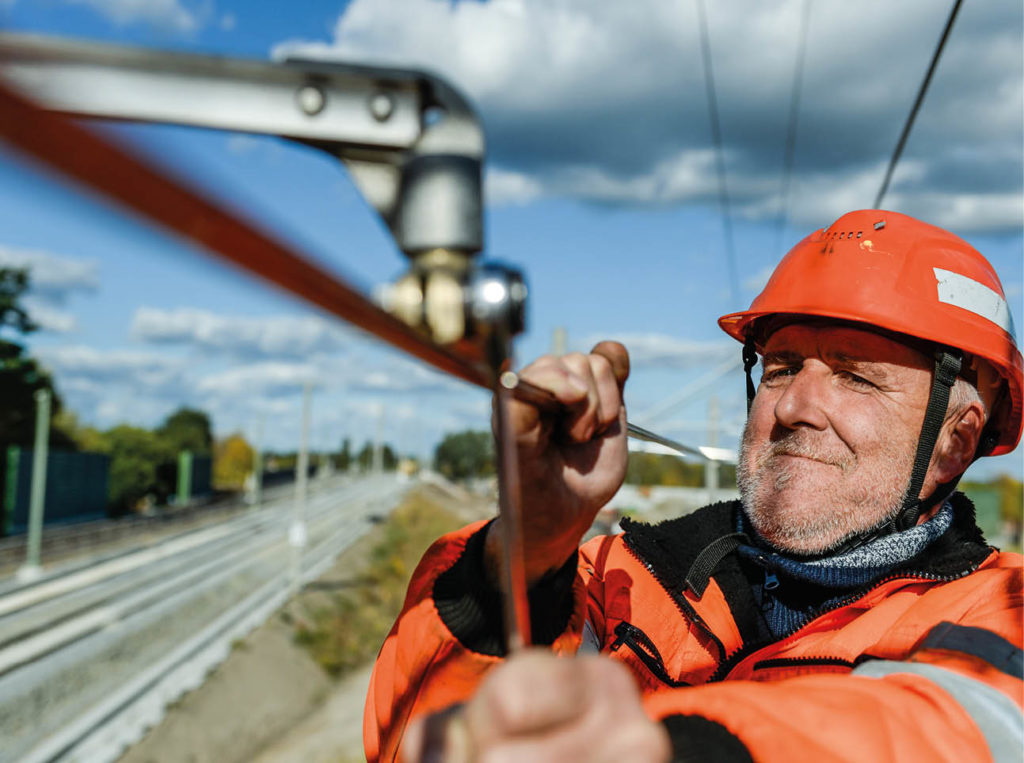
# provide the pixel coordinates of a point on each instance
(838, 516)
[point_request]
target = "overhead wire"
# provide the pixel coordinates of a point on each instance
(917, 104)
(716, 138)
(789, 152)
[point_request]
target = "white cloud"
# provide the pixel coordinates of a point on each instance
(51, 275)
(606, 101)
(162, 14)
(47, 317)
(271, 378)
(280, 336)
(505, 187)
(362, 376)
(394, 375)
(52, 279)
(125, 368)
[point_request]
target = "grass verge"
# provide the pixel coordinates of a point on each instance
(343, 628)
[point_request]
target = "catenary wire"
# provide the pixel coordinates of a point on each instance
(716, 137)
(917, 104)
(791, 128)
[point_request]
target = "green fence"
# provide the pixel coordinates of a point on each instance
(76, 488)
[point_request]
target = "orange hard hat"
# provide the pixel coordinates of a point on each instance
(893, 272)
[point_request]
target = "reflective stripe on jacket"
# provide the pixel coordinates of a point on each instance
(923, 664)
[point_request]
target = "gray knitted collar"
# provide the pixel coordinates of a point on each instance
(857, 566)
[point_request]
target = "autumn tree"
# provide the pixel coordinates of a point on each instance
(232, 462)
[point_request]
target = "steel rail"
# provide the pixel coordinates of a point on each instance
(105, 729)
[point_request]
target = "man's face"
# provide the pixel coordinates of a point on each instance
(830, 441)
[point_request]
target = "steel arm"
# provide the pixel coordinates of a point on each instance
(412, 143)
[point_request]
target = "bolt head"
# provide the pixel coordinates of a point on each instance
(382, 106)
(311, 99)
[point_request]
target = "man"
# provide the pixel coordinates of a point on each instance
(846, 608)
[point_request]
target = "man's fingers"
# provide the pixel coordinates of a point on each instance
(539, 707)
(617, 356)
(589, 386)
(527, 694)
(551, 374)
(609, 393)
(584, 417)
(559, 378)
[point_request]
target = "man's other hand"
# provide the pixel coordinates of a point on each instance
(537, 707)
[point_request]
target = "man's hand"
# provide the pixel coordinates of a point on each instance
(538, 707)
(571, 463)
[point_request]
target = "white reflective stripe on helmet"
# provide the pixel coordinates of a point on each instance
(997, 717)
(961, 291)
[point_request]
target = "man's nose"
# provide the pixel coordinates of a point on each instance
(803, 401)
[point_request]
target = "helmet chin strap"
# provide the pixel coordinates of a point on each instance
(947, 367)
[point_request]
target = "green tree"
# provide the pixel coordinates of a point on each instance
(187, 429)
(1011, 498)
(20, 375)
(388, 457)
(344, 458)
(136, 455)
(663, 469)
(465, 454)
(13, 285)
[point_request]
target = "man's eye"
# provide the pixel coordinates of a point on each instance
(777, 374)
(858, 381)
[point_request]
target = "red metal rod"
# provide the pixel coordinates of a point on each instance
(81, 154)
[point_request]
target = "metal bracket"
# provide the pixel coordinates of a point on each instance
(412, 143)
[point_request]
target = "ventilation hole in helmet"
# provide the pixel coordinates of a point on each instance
(860, 233)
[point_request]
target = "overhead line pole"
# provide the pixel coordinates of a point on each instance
(917, 104)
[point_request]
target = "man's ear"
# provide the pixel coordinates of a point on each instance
(957, 443)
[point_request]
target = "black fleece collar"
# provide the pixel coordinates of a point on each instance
(668, 549)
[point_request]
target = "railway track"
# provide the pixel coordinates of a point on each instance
(89, 660)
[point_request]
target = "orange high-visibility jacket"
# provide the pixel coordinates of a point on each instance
(922, 664)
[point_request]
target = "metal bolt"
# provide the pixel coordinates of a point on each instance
(382, 106)
(311, 99)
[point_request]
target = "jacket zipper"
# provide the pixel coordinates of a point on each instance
(726, 666)
(643, 647)
(784, 662)
(681, 603)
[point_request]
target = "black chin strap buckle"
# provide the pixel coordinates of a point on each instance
(749, 361)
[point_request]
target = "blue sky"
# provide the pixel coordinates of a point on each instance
(601, 187)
